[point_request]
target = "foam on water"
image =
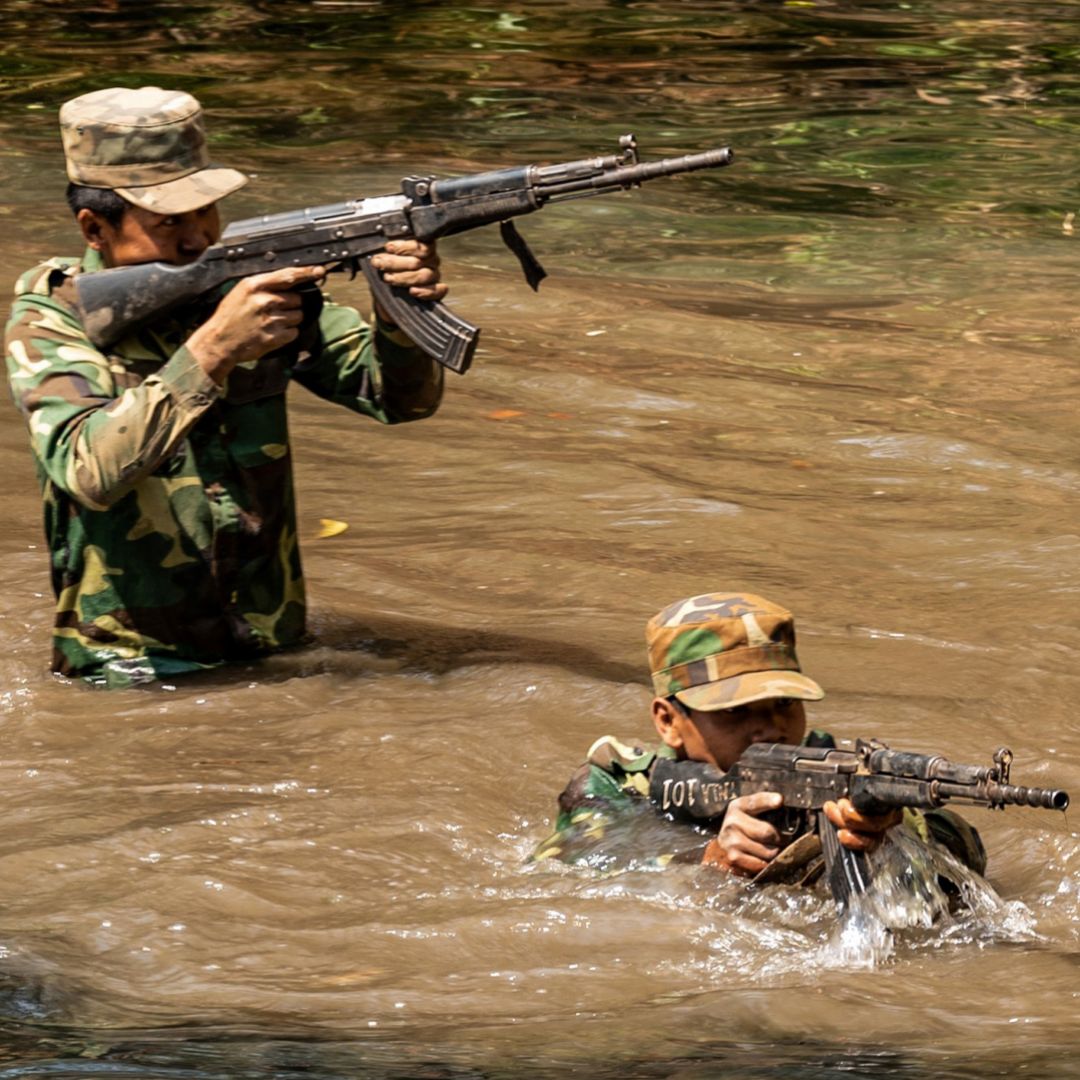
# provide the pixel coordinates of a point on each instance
(919, 886)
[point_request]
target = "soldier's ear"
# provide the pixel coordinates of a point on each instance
(666, 720)
(95, 229)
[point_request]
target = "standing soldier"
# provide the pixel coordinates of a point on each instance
(164, 461)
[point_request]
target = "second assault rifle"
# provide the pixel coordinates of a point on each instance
(346, 235)
(875, 779)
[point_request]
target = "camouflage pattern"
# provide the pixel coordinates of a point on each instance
(722, 650)
(147, 145)
(169, 505)
(607, 822)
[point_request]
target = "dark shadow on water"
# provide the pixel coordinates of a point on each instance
(31, 1047)
(438, 648)
(348, 648)
(199, 1054)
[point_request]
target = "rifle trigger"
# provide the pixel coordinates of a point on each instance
(530, 264)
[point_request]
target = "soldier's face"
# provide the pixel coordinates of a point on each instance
(721, 736)
(143, 237)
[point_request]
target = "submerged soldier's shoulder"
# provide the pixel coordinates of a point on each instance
(619, 758)
(612, 770)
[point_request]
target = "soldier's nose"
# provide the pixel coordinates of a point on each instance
(194, 245)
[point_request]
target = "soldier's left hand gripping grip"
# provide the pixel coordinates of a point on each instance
(443, 335)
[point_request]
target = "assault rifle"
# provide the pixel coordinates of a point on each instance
(875, 779)
(344, 236)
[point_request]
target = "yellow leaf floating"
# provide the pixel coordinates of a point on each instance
(353, 978)
(330, 527)
(504, 414)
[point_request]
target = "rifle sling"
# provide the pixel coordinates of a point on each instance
(530, 264)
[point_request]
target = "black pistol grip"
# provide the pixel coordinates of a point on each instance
(444, 336)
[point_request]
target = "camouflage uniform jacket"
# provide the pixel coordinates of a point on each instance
(169, 504)
(606, 820)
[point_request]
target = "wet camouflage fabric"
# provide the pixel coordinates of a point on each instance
(169, 504)
(720, 650)
(607, 822)
(148, 145)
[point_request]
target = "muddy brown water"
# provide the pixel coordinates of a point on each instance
(841, 373)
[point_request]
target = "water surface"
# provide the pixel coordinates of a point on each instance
(840, 373)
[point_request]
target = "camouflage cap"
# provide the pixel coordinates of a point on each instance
(147, 145)
(720, 650)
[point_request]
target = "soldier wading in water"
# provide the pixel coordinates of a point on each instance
(726, 676)
(164, 462)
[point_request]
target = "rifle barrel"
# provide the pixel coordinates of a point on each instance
(1007, 795)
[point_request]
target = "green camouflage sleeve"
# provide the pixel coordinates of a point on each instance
(94, 429)
(379, 373)
(587, 806)
(609, 825)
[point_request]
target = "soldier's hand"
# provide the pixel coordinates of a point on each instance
(745, 844)
(860, 832)
(414, 264)
(259, 314)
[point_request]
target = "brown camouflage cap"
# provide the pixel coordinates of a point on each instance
(147, 145)
(720, 650)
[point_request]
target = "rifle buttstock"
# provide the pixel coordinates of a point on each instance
(114, 302)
